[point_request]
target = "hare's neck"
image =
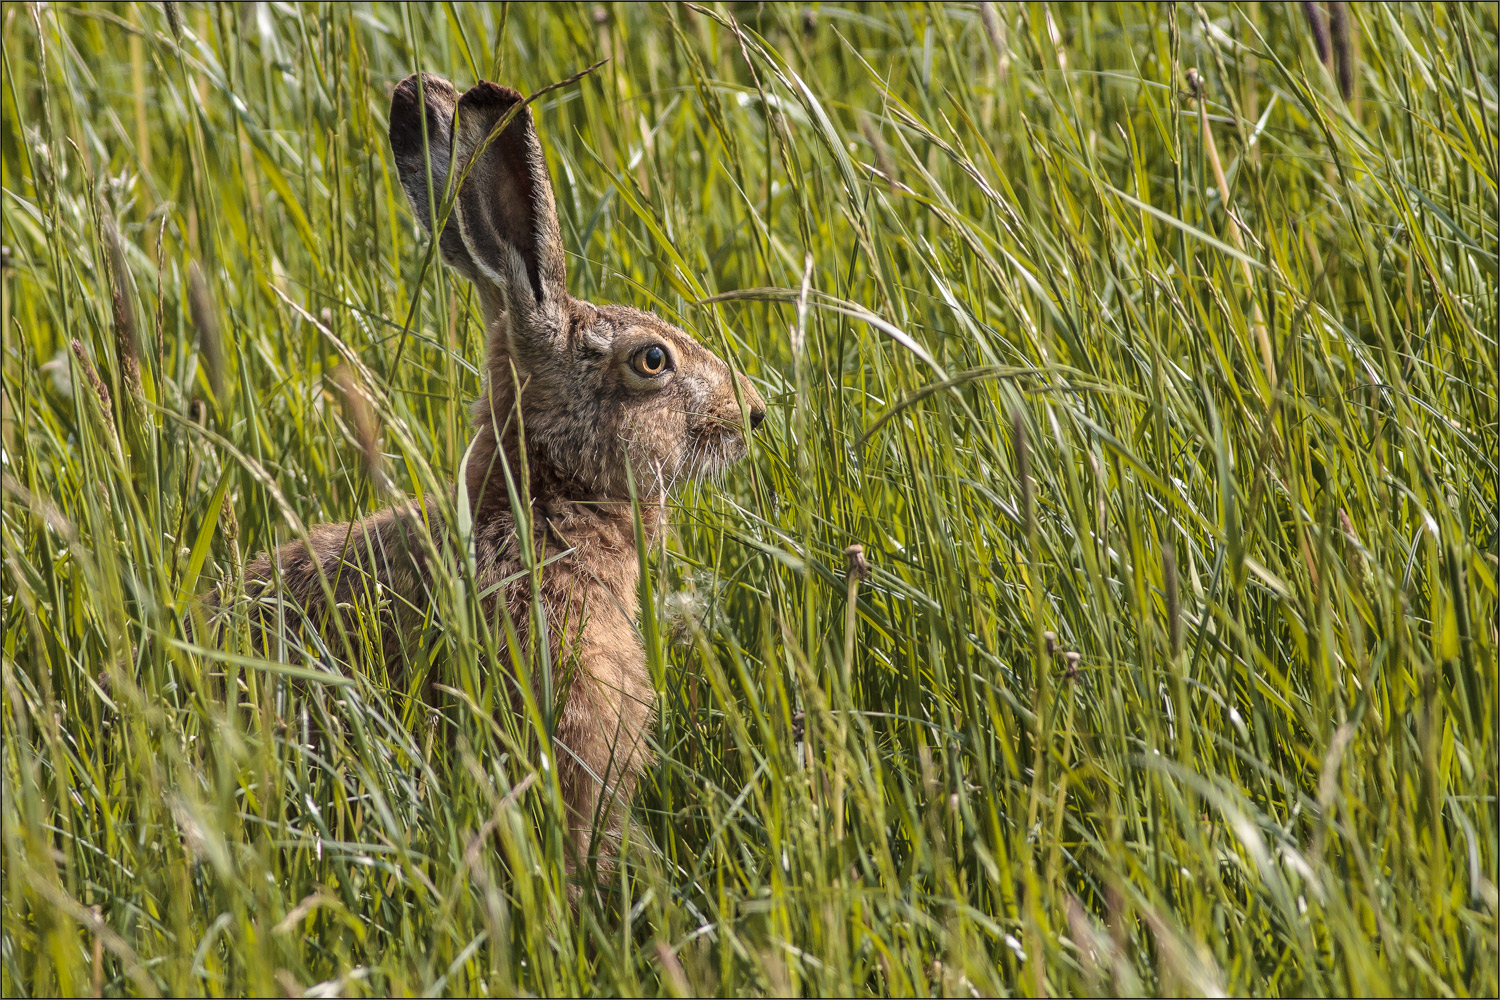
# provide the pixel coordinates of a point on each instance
(597, 542)
(555, 496)
(591, 575)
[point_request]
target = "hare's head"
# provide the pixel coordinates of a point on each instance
(604, 388)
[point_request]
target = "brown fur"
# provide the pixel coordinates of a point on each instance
(589, 420)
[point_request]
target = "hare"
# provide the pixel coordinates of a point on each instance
(601, 395)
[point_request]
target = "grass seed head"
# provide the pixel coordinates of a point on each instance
(206, 324)
(127, 336)
(1343, 49)
(1319, 28)
(101, 391)
(360, 412)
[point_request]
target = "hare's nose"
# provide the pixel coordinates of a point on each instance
(754, 404)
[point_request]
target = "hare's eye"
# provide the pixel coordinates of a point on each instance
(651, 361)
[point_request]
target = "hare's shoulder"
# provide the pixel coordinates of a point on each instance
(497, 550)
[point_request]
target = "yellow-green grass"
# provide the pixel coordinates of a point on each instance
(1156, 377)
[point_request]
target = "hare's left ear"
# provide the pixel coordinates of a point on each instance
(507, 214)
(422, 140)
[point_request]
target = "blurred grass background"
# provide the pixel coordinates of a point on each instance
(1156, 376)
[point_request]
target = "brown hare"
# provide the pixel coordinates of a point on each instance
(601, 395)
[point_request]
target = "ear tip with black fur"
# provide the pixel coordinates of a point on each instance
(493, 95)
(408, 93)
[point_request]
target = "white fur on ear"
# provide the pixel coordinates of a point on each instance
(513, 276)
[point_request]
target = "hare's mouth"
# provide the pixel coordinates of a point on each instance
(711, 449)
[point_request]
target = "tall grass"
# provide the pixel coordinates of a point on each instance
(1156, 377)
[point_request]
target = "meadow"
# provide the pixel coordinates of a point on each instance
(1148, 351)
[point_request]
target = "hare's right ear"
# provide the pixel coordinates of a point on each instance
(423, 156)
(508, 215)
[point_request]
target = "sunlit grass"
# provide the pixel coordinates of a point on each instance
(1176, 667)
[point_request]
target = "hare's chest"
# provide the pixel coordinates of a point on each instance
(600, 641)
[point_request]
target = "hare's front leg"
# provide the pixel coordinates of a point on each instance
(603, 734)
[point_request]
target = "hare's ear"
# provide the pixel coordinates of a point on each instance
(423, 156)
(507, 213)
